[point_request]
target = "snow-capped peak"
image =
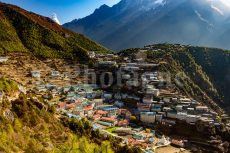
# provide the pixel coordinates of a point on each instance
(55, 18)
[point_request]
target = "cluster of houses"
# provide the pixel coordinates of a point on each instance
(156, 103)
(86, 100)
(37, 74)
(169, 110)
(142, 138)
(100, 107)
(153, 47)
(153, 101)
(145, 95)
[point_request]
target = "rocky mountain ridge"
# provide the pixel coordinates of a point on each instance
(137, 23)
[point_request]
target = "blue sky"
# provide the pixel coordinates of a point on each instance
(66, 10)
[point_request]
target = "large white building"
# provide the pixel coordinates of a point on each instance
(192, 118)
(92, 54)
(148, 99)
(3, 59)
(179, 107)
(126, 76)
(35, 74)
(152, 91)
(182, 116)
(98, 102)
(148, 117)
(55, 74)
(202, 108)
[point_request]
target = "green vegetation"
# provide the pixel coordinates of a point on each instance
(129, 52)
(27, 32)
(83, 128)
(7, 85)
(30, 128)
(111, 130)
(30, 125)
(215, 63)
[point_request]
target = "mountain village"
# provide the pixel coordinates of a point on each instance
(89, 86)
(129, 108)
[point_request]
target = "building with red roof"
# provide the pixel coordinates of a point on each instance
(62, 105)
(123, 123)
(109, 120)
(102, 113)
(70, 106)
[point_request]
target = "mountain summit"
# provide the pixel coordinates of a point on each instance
(134, 23)
(23, 31)
(55, 18)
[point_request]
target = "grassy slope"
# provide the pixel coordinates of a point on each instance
(7, 85)
(25, 31)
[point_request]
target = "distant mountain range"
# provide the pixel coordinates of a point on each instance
(135, 23)
(24, 31)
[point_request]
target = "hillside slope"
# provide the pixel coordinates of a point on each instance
(29, 124)
(202, 73)
(28, 32)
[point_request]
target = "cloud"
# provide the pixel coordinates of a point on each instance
(226, 2)
(203, 19)
(217, 9)
(159, 2)
(55, 18)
